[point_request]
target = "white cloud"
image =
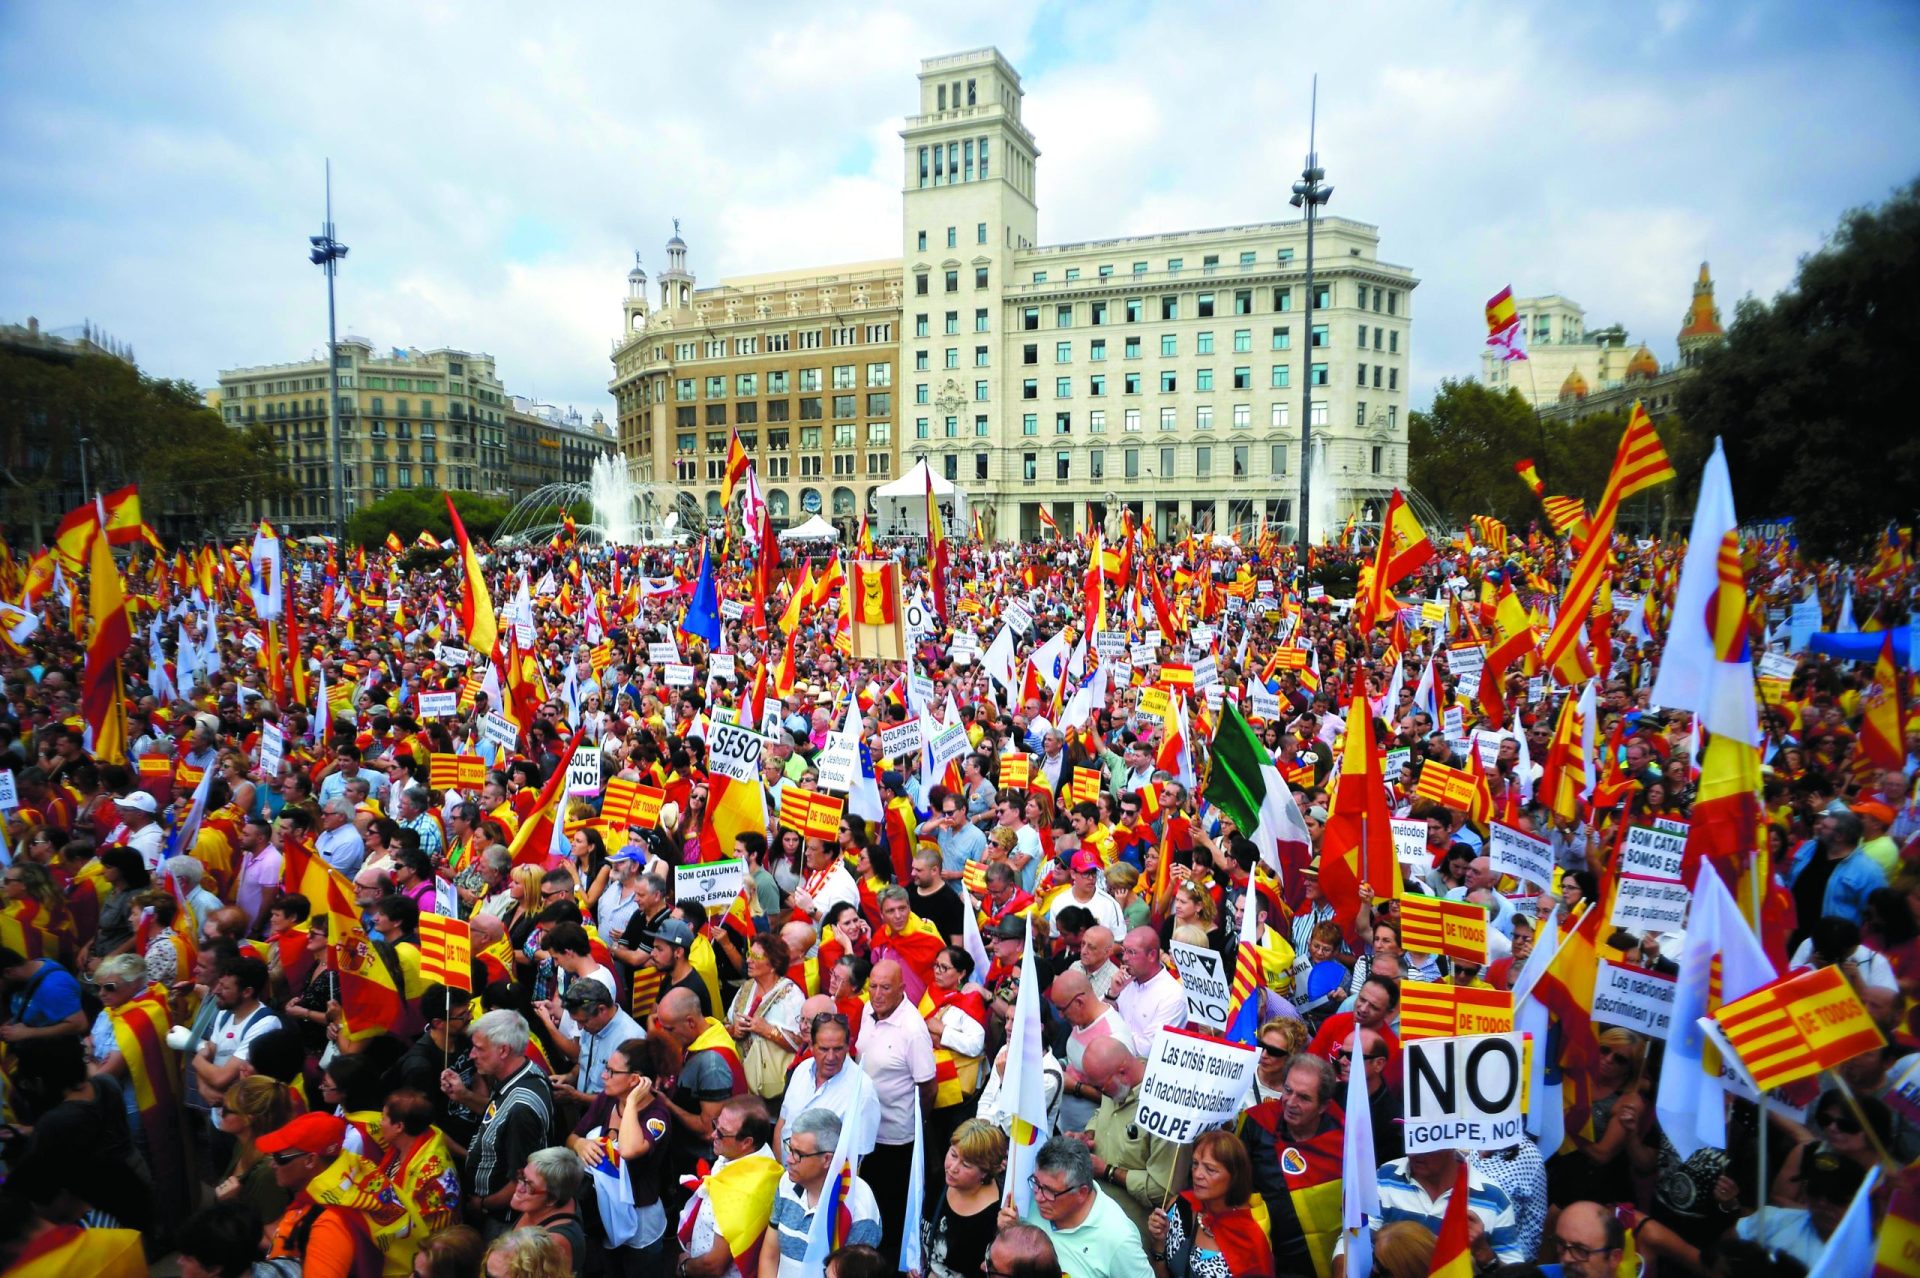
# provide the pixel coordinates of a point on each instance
(162, 172)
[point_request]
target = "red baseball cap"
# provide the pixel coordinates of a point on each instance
(1085, 861)
(309, 1134)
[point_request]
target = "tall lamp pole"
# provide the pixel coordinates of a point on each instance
(1309, 193)
(327, 253)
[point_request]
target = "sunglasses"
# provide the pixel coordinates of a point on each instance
(1346, 1055)
(289, 1156)
(829, 1018)
(1274, 1053)
(1846, 1124)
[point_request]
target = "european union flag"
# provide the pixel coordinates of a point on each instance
(702, 618)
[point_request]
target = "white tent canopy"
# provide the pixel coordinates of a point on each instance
(814, 529)
(901, 506)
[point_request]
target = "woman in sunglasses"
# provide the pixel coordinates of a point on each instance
(1837, 1130)
(1615, 1145)
(253, 1107)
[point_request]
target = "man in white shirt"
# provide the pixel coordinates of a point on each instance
(896, 1052)
(828, 1080)
(1087, 892)
(340, 844)
(740, 1132)
(137, 813)
(1149, 995)
(827, 883)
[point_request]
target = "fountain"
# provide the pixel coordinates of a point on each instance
(623, 513)
(1323, 512)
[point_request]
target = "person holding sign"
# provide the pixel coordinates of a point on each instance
(1211, 1231)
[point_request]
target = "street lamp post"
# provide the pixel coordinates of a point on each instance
(327, 253)
(86, 484)
(1309, 193)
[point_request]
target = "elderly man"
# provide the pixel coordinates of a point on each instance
(826, 1079)
(1091, 1235)
(1096, 961)
(138, 816)
(189, 877)
(811, 1141)
(1480, 876)
(1149, 995)
(1384, 1104)
(414, 814)
(1295, 1146)
(1373, 1008)
(1089, 1020)
(740, 1135)
(896, 1052)
(340, 844)
(516, 1107)
(1135, 1168)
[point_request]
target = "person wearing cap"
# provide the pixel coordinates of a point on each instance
(672, 943)
(601, 1027)
(328, 1239)
(140, 828)
(1876, 842)
(1087, 892)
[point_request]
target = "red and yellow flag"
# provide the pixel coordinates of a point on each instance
(1881, 741)
(1795, 1027)
(446, 952)
(101, 704)
(736, 470)
(1452, 1257)
(1357, 846)
(476, 604)
(1501, 314)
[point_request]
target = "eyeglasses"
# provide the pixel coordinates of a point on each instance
(803, 1155)
(1043, 1191)
(828, 1018)
(1843, 1123)
(525, 1182)
(717, 1133)
(1274, 1053)
(289, 1156)
(1346, 1054)
(1578, 1252)
(105, 987)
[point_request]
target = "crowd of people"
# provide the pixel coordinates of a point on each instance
(809, 1070)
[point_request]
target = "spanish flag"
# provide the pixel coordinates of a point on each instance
(476, 605)
(1357, 846)
(1452, 1258)
(1531, 477)
(936, 553)
(1881, 742)
(394, 543)
(737, 463)
(1501, 316)
(533, 842)
(101, 703)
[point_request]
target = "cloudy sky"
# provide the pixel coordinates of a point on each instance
(496, 166)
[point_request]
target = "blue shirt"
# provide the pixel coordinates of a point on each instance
(1854, 876)
(54, 998)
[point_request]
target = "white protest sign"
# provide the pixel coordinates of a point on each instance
(9, 792)
(734, 751)
(1110, 644)
(1316, 592)
(919, 691)
(1466, 661)
(733, 609)
(1192, 1085)
(451, 655)
(523, 632)
(1524, 857)
(1201, 636)
(1633, 997)
(918, 617)
(676, 675)
(1775, 666)
(1265, 705)
(1394, 762)
(1464, 1093)
(253, 641)
(1453, 722)
(898, 740)
(1536, 688)
(1145, 654)
(1672, 825)
(273, 748)
(583, 772)
(839, 763)
(949, 744)
(1018, 616)
(1802, 624)
(436, 705)
(1488, 745)
(1653, 854)
(1209, 986)
(1650, 905)
(712, 883)
(964, 648)
(720, 666)
(500, 730)
(1410, 843)
(661, 654)
(1205, 671)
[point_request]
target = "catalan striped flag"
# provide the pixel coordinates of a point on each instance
(646, 992)
(1795, 1027)
(1568, 515)
(446, 952)
(1431, 925)
(1430, 1009)
(1639, 463)
(1492, 533)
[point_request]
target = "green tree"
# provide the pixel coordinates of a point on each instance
(1807, 393)
(1461, 452)
(405, 512)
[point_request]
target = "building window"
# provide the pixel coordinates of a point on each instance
(980, 231)
(1318, 375)
(953, 427)
(1167, 458)
(1393, 417)
(1063, 388)
(979, 277)
(1133, 383)
(952, 232)
(1360, 413)
(1283, 298)
(1030, 424)
(879, 404)
(1097, 421)
(1174, 264)
(1029, 318)
(1097, 384)
(1169, 419)
(1169, 344)
(1393, 379)
(1135, 307)
(919, 284)
(1063, 423)
(1203, 417)
(1097, 313)
(1203, 462)
(1169, 308)
(919, 428)
(980, 320)
(1063, 465)
(920, 238)
(1317, 413)
(1030, 467)
(1243, 416)
(1132, 350)
(953, 357)
(1063, 316)
(1378, 457)
(1131, 421)
(1030, 388)
(1169, 382)
(952, 280)
(1322, 296)
(920, 326)
(1206, 306)
(1203, 343)
(1282, 376)
(1317, 336)
(1063, 352)
(979, 357)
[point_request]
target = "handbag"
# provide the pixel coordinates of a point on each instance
(764, 1062)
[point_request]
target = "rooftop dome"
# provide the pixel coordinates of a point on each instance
(1643, 364)
(1575, 387)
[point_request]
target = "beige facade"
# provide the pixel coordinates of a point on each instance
(1163, 372)
(547, 444)
(803, 364)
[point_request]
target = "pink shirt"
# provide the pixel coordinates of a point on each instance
(896, 1053)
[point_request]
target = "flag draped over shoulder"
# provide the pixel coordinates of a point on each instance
(476, 604)
(1639, 464)
(140, 1036)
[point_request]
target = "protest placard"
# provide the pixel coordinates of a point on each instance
(644, 812)
(1207, 982)
(662, 653)
(712, 883)
(500, 730)
(466, 772)
(1464, 1093)
(1518, 853)
(1017, 615)
(1410, 843)
(676, 675)
(1639, 999)
(273, 748)
(899, 740)
(1192, 1084)
(1110, 644)
(583, 773)
(436, 705)
(1457, 929)
(948, 744)
(839, 763)
(1432, 1009)
(1264, 706)
(1652, 854)
(720, 666)
(1650, 905)
(734, 751)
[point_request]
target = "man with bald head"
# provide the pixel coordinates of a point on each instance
(1134, 1167)
(1145, 992)
(1097, 949)
(1089, 1019)
(804, 970)
(896, 1054)
(710, 1074)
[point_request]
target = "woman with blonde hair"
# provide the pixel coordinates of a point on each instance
(1404, 1249)
(1614, 1146)
(523, 884)
(955, 1235)
(527, 1253)
(253, 1107)
(1123, 884)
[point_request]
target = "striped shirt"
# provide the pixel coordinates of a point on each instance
(794, 1222)
(1402, 1198)
(1524, 1177)
(514, 1126)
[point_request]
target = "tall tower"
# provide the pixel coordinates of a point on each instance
(968, 208)
(635, 305)
(676, 282)
(1701, 328)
